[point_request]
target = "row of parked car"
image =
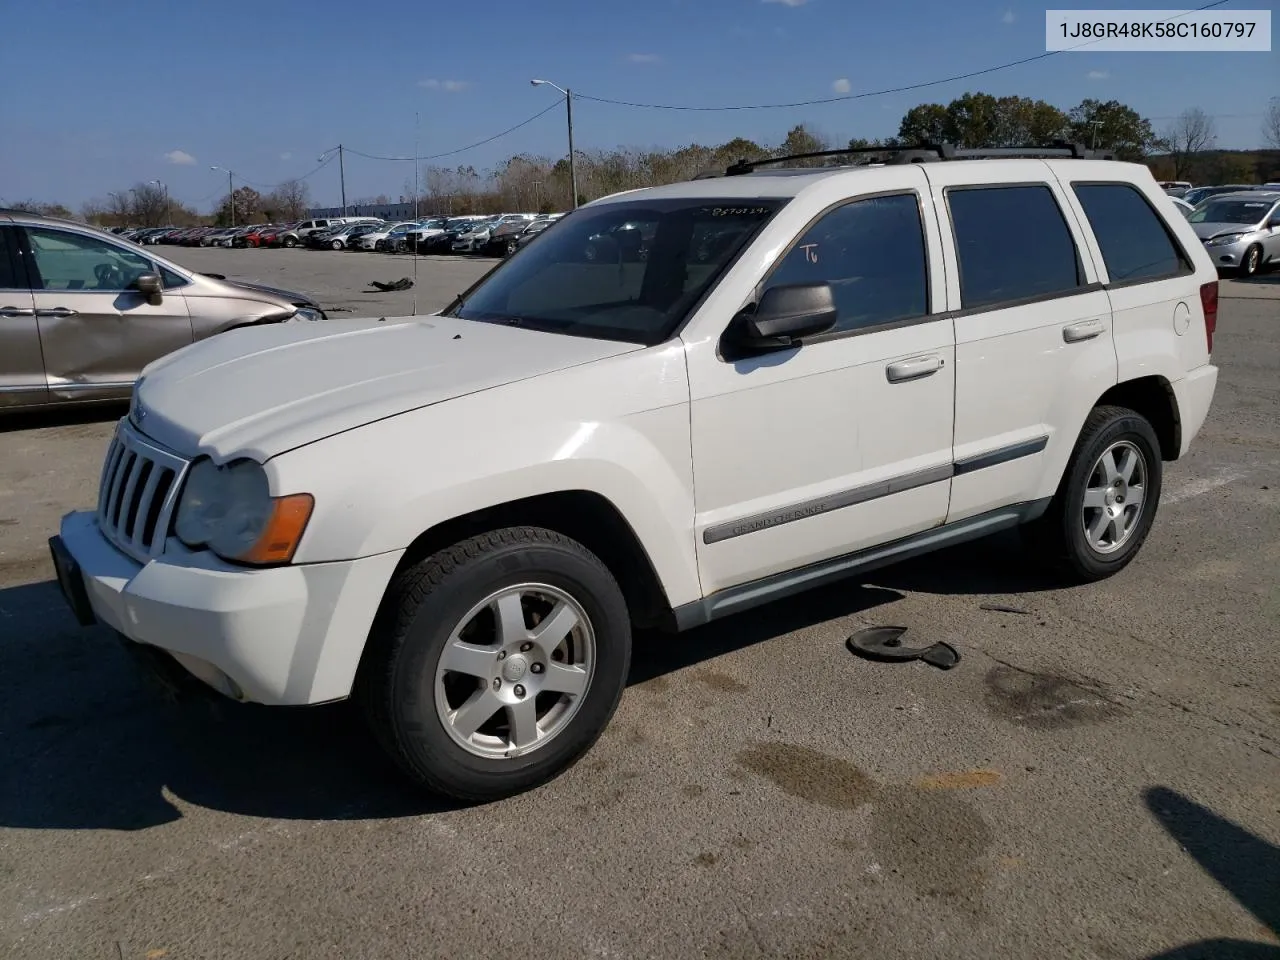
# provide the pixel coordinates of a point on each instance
(1238, 223)
(496, 235)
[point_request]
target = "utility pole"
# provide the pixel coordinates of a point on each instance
(342, 180)
(1095, 124)
(573, 166)
(231, 194)
(168, 213)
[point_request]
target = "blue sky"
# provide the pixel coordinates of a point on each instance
(134, 90)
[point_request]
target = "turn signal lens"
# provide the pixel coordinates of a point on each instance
(283, 531)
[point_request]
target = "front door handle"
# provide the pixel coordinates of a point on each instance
(58, 312)
(1086, 330)
(913, 369)
(17, 312)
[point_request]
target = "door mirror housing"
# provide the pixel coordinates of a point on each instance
(150, 286)
(784, 315)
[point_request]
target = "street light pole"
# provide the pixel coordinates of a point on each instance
(231, 194)
(573, 166)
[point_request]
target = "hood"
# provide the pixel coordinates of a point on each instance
(295, 298)
(260, 391)
(1207, 231)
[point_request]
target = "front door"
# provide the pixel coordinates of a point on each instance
(843, 443)
(21, 363)
(97, 330)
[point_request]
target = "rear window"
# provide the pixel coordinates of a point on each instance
(1013, 244)
(1134, 241)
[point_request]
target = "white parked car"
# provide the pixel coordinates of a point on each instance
(369, 241)
(459, 518)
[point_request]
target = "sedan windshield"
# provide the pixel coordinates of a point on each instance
(626, 271)
(1230, 211)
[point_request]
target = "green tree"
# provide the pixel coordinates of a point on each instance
(1113, 126)
(973, 120)
(1022, 121)
(927, 123)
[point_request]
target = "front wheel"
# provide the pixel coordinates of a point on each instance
(1251, 261)
(496, 663)
(290, 242)
(1107, 499)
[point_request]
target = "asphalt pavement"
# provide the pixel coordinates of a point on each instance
(1099, 777)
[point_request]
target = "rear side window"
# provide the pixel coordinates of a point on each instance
(1134, 241)
(1013, 244)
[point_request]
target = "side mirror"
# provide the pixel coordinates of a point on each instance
(150, 286)
(784, 315)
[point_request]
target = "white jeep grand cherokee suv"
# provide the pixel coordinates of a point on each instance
(459, 518)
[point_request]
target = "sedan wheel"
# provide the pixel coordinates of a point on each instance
(1251, 261)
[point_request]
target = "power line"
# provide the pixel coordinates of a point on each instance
(470, 146)
(305, 176)
(868, 93)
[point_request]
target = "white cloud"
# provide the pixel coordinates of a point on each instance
(842, 85)
(787, 3)
(1098, 74)
(449, 86)
(643, 57)
(1009, 16)
(180, 157)
(286, 155)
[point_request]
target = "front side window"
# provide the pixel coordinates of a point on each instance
(627, 271)
(872, 252)
(1013, 244)
(1244, 212)
(72, 261)
(9, 279)
(1134, 242)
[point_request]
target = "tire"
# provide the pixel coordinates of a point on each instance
(415, 706)
(337, 244)
(1251, 262)
(1060, 538)
(290, 242)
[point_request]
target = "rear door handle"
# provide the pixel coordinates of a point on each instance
(1086, 330)
(17, 312)
(58, 312)
(913, 369)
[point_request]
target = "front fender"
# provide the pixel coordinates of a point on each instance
(378, 487)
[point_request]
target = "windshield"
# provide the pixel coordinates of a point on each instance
(624, 271)
(1230, 211)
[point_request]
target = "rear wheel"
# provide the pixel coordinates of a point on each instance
(1107, 499)
(496, 663)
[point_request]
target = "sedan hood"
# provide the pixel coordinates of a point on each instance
(1207, 231)
(260, 391)
(298, 299)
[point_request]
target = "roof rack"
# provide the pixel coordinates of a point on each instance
(931, 153)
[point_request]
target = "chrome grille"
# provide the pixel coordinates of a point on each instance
(138, 492)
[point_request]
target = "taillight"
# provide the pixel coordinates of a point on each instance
(1209, 300)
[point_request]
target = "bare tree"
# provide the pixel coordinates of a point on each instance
(149, 204)
(1271, 124)
(1191, 134)
(289, 201)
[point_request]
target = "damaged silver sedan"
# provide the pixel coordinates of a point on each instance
(82, 311)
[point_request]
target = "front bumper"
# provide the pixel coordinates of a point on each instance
(287, 635)
(1228, 254)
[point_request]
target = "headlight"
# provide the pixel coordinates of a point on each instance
(308, 313)
(231, 511)
(1220, 241)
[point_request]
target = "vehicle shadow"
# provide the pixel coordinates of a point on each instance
(1247, 867)
(36, 419)
(91, 744)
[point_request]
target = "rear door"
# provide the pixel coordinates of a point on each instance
(1033, 333)
(97, 331)
(21, 361)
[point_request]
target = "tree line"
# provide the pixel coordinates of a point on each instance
(1184, 149)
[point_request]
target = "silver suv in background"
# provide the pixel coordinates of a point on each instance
(82, 311)
(1241, 231)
